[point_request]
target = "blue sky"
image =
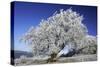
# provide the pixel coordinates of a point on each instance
(27, 14)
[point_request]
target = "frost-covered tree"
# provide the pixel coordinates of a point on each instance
(53, 34)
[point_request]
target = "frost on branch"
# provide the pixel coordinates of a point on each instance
(54, 33)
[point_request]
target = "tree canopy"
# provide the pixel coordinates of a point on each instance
(54, 33)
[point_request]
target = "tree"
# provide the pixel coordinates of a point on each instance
(57, 31)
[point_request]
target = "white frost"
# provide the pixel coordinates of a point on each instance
(57, 31)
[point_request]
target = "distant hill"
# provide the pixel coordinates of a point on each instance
(16, 54)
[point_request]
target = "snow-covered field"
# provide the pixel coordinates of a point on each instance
(35, 61)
